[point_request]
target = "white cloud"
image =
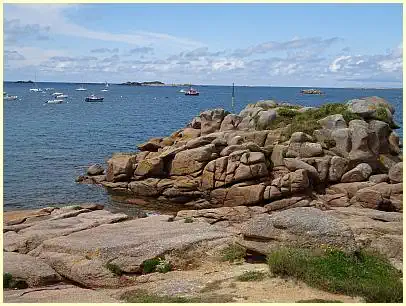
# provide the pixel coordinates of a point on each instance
(335, 65)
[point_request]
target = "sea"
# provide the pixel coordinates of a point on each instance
(46, 146)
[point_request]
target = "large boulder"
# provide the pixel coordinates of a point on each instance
(95, 169)
(358, 174)
(211, 120)
(333, 122)
(230, 122)
(120, 168)
(360, 140)
(31, 270)
(265, 118)
(338, 166)
(396, 173)
(299, 227)
(150, 167)
(370, 107)
(192, 160)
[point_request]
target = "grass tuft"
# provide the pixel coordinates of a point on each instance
(142, 296)
(361, 274)
(149, 265)
(249, 276)
(233, 252)
(189, 220)
(318, 301)
(113, 268)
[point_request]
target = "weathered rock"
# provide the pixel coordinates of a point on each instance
(147, 187)
(367, 107)
(358, 174)
(151, 145)
(190, 133)
(342, 139)
(379, 135)
(265, 119)
(200, 141)
(278, 154)
(396, 173)
(394, 143)
(274, 137)
(33, 271)
(244, 195)
(300, 137)
(271, 193)
(95, 169)
(211, 120)
(82, 256)
(230, 122)
(292, 182)
(333, 122)
(291, 202)
(190, 161)
(338, 166)
(57, 294)
(369, 198)
(301, 226)
(195, 123)
(120, 168)
(337, 200)
(360, 135)
(305, 149)
(379, 178)
(348, 188)
(294, 164)
(150, 167)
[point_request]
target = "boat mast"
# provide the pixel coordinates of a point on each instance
(232, 100)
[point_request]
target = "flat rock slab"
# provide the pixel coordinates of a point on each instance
(57, 294)
(83, 256)
(27, 237)
(33, 271)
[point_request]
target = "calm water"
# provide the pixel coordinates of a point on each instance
(47, 146)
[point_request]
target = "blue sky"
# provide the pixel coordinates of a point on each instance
(338, 45)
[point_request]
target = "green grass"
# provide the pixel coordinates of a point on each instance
(142, 296)
(361, 274)
(233, 252)
(10, 282)
(149, 265)
(250, 276)
(307, 121)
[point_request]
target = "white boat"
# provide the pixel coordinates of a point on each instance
(182, 91)
(10, 98)
(48, 88)
(57, 93)
(61, 96)
(35, 89)
(81, 88)
(56, 101)
(106, 86)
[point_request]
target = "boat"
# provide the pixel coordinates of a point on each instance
(36, 88)
(182, 91)
(192, 92)
(57, 93)
(61, 96)
(48, 88)
(106, 86)
(56, 101)
(81, 88)
(10, 98)
(93, 98)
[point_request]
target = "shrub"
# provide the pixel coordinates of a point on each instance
(189, 220)
(10, 282)
(142, 296)
(163, 266)
(362, 274)
(7, 279)
(318, 301)
(113, 268)
(233, 252)
(287, 112)
(149, 265)
(251, 276)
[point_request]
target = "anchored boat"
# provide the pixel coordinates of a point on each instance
(192, 92)
(93, 98)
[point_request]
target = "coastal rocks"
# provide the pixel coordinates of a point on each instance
(299, 227)
(294, 164)
(211, 120)
(396, 173)
(192, 160)
(82, 256)
(95, 169)
(150, 167)
(290, 183)
(338, 166)
(360, 150)
(370, 107)
(291, 202)
(237, 195)
(120, 168)
(305, 149)
(394, 143)
(147, 187)
(30, 270)
(358, 174)
(152, 145)
(333, 122)
(230, 122)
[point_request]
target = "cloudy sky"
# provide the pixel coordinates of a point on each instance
(338, 45)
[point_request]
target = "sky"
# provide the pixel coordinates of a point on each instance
(324, 45)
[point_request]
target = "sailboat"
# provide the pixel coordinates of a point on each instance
(81, 88)
(35, 89)
(106, 86)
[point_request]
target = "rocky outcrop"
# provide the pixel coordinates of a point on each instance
(226, 160)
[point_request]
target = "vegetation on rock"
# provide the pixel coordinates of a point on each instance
(251, 276)
(360, 274)
(233, 253)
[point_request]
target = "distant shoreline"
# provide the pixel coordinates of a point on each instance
(161, 84)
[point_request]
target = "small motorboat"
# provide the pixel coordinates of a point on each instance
(192, 92)
(56, 101)
(10, 98)
(57, 93)
(93, 98)
(182, 91)
(61, 96)
(48, 88)
(35, 89)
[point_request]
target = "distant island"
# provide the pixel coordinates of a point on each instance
(311, 92)
(154, 83)
(24, 82)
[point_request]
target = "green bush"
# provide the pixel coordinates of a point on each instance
(286, 112)
(142, 296)
(360, 274)
(163, 266)
(251, 276)
(7, 280)
(189, 220)
(149, 265)
(10, 282)
(233, 252)
(113, 268)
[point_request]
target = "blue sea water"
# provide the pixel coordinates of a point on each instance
(47, 146)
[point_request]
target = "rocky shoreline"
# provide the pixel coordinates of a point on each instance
(275, 175)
